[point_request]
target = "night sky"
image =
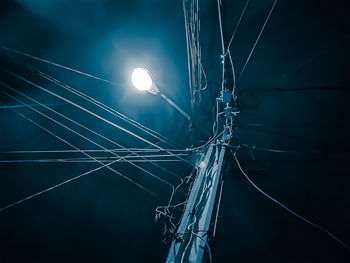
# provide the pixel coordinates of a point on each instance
(294, 95)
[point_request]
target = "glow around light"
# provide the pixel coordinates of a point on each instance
(141, 79)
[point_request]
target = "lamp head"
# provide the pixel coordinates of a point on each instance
(141, 79)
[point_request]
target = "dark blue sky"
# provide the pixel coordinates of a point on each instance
(102, 218)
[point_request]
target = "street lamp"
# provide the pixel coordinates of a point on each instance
(142, 80)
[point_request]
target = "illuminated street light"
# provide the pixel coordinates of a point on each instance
(141, 79)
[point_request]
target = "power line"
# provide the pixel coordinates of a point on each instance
(273, 150)
(62, 183)
(82, 136)
(319, 88)
(132, 163)
(33, 105)
(77, 160)
(120, 150)
(74, 178)
(313, 57)
(235, 30)
(257, 40)
(101, 136)
(286, 208)
(228, 52)
(85, 110)
(58, 65)
(104, 107)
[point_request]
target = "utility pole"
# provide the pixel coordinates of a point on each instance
(199, 218)
(198, 223)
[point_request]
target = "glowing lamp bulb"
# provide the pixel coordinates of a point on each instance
(141, 79)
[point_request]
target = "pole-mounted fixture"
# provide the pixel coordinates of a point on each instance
(142, 80)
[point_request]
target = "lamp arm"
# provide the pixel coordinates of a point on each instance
(172, 103)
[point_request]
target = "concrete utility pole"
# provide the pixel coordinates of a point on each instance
(198, 223)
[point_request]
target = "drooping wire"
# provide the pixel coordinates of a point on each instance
(285, 207)
(257, 40)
